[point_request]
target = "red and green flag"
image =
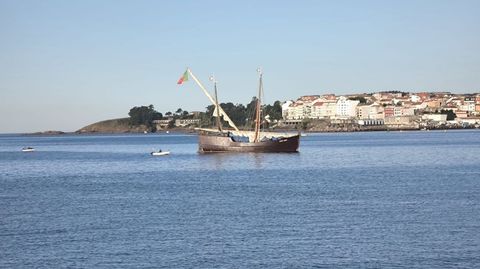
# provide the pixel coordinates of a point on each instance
(183, 78)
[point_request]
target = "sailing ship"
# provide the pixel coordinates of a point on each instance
(235, 140)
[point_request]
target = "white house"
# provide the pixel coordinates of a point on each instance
(370, 111)
(415, 98)
(346, 108)
(293, 111)
(285, 110)
(323, 108)
(435, 117)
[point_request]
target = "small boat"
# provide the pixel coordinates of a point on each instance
(159, 153)
(28, 149)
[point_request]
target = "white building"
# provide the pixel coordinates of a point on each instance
(309, 106)
(285, 110)
(468, 106)
(315, 107)
(293, 111)
(415, 98)
(435, 117)
(371, 111)
(186, 122)
(407, 111)
(323, 109)
(346, 108)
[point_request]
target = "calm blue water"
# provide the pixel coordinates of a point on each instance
(350, 200)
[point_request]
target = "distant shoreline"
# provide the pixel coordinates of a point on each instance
(192, 131)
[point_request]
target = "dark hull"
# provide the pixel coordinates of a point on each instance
(213, 143)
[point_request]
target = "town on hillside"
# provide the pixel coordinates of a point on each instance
(392, 110)
(378, 111)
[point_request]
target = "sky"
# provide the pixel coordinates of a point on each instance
(66, 64)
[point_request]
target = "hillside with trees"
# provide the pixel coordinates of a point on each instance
(121, 125)
(144, 115)
(142, 118)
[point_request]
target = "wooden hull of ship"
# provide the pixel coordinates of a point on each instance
(213, 143)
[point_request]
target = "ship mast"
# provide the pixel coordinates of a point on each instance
(219, 108)
(219, 123)
(258, 110)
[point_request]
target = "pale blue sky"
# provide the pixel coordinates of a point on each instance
(65, 64)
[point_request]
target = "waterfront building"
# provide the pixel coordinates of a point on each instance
(317, 109)
(461, 114)
(323, 108)
(407, 111)
(294, 111)
(455, 100)
(477, 104)
(309, 107)
(329, 96)
(402, 122)
(451, 107)
(285, 110)
(414, 98)
(346, 108)
(439, 118)
(371, 122)
(468, 104)
(434, 104)
(423, 96)
(308, 98)
(160, 124)
(400, 100)
(186, 122)
(369, 111)
(385, 101)
(419, 106)
(469, 121)
(397, 111)
(379, 105)
(388, 111)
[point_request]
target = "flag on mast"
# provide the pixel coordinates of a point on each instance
(183, 78)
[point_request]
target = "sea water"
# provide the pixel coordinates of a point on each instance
(346, 200)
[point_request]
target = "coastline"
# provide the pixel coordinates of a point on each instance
(346, 129)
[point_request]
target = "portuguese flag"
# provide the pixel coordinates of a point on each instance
(183, 78)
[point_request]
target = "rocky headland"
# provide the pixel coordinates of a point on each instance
(121, 125)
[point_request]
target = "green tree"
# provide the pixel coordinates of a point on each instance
(209, 110)
(235, 112)
(242, 116)
(274, 111)
(250, 113)
(361, 99)
(450, 114)
(144, 115)
(206, 117)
